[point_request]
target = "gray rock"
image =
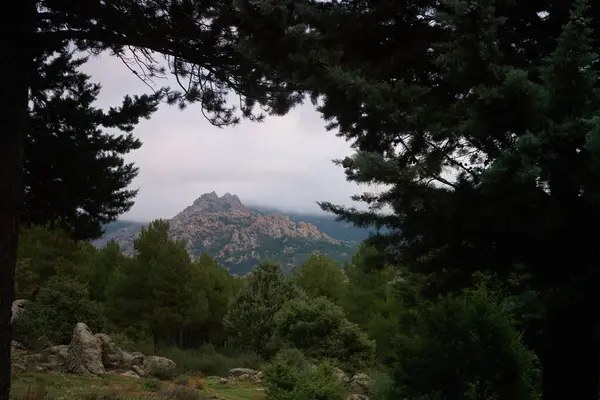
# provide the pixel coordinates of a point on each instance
(85, 352)
(18, 306)
(154, 365)
(130, 374)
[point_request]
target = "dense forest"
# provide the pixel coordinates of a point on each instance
(364, 316)
(478, 117)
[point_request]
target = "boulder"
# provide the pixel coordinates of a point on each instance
(158, 366)
(129, 360)
(85, 352)
(360, 384)
(130, 374)
(18, 306)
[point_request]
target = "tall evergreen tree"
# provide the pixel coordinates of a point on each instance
(492, 163)
(74, 172)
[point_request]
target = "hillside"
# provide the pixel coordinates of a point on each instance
(325, 223)
(239, 237)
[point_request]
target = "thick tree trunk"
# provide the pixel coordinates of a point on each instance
(17, 32)
(570, 357)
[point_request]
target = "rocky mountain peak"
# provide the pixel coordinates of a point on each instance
(211, 202)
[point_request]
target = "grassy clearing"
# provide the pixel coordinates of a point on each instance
(45, 386)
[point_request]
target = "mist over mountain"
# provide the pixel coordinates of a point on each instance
(239, 237)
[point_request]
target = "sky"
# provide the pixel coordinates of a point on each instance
(284, 162)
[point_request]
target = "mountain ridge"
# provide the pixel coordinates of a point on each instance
(239, 237)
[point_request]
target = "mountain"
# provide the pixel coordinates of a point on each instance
(239, 237)
(326, 223)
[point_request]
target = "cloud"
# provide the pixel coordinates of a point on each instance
(284, 162)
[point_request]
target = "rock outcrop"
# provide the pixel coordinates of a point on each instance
(93, 355)
(85, 352)
(18, 306)
(239, 237)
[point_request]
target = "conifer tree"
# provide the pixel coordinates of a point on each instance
(74, 172)
(249, 320)
(491, 163)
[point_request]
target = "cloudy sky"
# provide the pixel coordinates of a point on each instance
(284, 162)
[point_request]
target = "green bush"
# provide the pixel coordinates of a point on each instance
(208, 361)
(151, 384)
(320, 329)
(467, 340)
(182, 393)
(291, 377)
(61, 303)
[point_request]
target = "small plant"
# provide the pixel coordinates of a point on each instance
(196, 383)
(182, 393)
(152, 385)
(182, 380)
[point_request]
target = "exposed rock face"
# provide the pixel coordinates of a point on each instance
(94, 355)
(85, 352)
(239, 237)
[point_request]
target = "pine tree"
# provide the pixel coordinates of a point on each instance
(491, 162)
(249, 320)
(74, 172)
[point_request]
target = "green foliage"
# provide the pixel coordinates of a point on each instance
(319, 276)
(464, 347)
(152, 384)
(369, 299)
(60, 305)
(74, 148)
(104, 263)
(182, 393)
(291, 377)
(45, 252)
(382, 387)
(320, 329)
(160, 290)
(208, 361)
(250, 318)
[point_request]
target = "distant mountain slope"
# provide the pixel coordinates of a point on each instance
(325, 223)
(239, 237)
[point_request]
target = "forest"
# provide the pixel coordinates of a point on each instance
(365, 316)
(479, 118)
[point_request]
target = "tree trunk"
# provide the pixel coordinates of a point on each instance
(17, 30)
(570, 357)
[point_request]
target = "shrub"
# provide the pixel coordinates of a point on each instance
(320, 329)
(208, 361)
(182, 393)
(470, 341)
(291, 377)
(60, 304)
(151, 384)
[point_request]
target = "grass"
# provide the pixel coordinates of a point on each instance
(45, 386)
(234, 390)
